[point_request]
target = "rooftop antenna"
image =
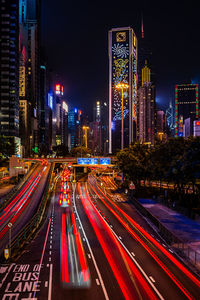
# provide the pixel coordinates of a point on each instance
(142, 27)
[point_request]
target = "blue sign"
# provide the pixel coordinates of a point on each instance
(105, 161)
(88, 161)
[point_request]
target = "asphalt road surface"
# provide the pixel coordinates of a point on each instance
(97, 248)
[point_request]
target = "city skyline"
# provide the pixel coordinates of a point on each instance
(86, 38)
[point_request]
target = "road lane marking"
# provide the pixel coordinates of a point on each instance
(6, 275)
(43, 250)
(152, 279)
(120, 237)
(89, 255)
(92, 255)
(133, 253)
(50, 247)
(97, 281)
(171, 251)
(49, 252)
(46, 284)
(50, 282)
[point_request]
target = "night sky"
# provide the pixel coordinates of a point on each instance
(75, 37)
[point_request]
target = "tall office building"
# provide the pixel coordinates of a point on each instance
(29, 25)
(9, 69)
(122, 69)
(146, 108)
(187, 105)
(74, 128)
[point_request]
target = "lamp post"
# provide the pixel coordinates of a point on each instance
(122, 86)
(86, 128)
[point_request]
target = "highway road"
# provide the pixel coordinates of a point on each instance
(98, 247)
(23, 205)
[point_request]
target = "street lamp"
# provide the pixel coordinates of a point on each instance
(122, 86)
(86, 128)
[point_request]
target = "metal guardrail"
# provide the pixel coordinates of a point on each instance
(25, 234)
(172, 240)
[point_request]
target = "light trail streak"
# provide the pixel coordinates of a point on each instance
(194, 279)
(65, 270)
(109, 243)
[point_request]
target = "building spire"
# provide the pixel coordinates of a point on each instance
(142, 27)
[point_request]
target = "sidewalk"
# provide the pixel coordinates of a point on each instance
(182, 227)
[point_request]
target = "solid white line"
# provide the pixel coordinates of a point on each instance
(152, 279)
(92, 255)
(46, 284)
(43, 250)
(50, 282)
(97, 281)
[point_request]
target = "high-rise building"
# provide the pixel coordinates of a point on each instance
(9, 69)
(146, 108)
(59, 118)
(187, 105)
(74, 128)
(29, 24)
(122, 69)
(161, 124)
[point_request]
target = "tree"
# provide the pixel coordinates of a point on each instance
(77, 151)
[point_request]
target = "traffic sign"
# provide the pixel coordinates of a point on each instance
(6, 253)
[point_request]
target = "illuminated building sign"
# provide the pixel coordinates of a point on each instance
(122, 69)
(105, 161)
(58, 89)
(50, 100)
(65, 106)
(87, 161)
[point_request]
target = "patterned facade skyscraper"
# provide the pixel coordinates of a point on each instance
(122, 69)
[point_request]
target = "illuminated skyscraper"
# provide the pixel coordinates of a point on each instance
(187, 105)
(29, 26)
(122, 69)
(9, 69)
(146, 108)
